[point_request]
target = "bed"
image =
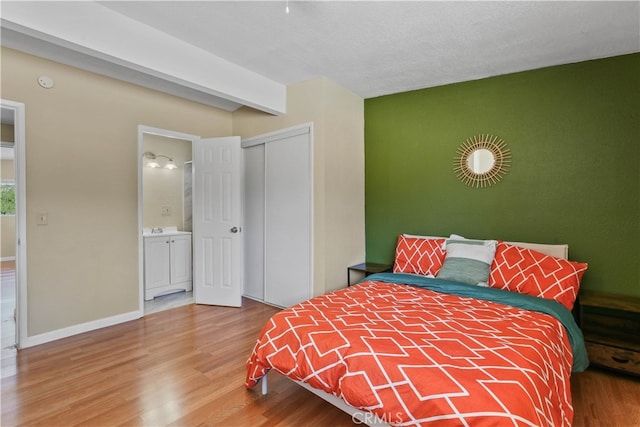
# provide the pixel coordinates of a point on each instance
(417, 348)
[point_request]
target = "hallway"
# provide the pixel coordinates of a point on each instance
(7, 310)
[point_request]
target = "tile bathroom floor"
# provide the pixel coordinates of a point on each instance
(166, 302)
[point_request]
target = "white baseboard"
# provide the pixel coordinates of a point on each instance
(79, 329)
(8, 258)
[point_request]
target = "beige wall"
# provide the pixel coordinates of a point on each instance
(7, 170)
(7, 133)
(7, 237)
(164, 187)
(81, 168)
(81, 156)
(338, 118)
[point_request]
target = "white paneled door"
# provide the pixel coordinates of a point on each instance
(217, 241)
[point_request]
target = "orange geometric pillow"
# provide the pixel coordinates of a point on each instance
(533, 273)
(419, 255)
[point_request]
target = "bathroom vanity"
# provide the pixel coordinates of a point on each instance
(167, 261)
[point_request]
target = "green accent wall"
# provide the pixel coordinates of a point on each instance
(574, 134)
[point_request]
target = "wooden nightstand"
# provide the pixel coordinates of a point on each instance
(611, 327)
(367, 268)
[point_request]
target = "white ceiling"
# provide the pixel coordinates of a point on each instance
(384, 47)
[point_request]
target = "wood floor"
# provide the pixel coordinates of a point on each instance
(186, 367)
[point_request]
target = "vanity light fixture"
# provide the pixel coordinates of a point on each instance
(151, 160)
(170, 165)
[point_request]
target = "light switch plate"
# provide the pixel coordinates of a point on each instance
(42, 218)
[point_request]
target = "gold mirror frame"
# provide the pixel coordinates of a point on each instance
(501, 157)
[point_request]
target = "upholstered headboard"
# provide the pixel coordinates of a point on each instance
(558, 251)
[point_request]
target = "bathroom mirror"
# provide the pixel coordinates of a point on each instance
(482, 161)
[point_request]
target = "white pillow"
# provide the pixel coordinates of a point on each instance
(452, 237)
(468, 261)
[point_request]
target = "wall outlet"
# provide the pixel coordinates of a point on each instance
(165, 210)
(42, 218)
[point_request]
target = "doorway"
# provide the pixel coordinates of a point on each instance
(8, 245)
(216, 240)
(165, 218)
(12, 224)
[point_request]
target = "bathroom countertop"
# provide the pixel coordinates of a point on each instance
(166, 231)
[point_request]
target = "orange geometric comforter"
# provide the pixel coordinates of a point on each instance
(413, 356)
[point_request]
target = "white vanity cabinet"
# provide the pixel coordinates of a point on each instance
(167, 264)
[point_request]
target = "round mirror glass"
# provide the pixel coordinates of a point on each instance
(481, 161)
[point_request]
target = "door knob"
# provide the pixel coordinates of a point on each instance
(235, 229)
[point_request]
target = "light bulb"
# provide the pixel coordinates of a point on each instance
(170, 165)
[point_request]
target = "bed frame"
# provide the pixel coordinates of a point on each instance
(370, 419)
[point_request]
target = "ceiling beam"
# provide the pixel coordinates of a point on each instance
(90, 36)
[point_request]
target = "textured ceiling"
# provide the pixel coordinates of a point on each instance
(378, 48)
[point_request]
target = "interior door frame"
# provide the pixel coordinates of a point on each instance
(142, 130)
(20, 181)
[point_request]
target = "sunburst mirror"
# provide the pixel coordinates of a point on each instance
(482, 160)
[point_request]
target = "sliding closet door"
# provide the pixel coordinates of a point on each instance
(287, 222)
(253, 160)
